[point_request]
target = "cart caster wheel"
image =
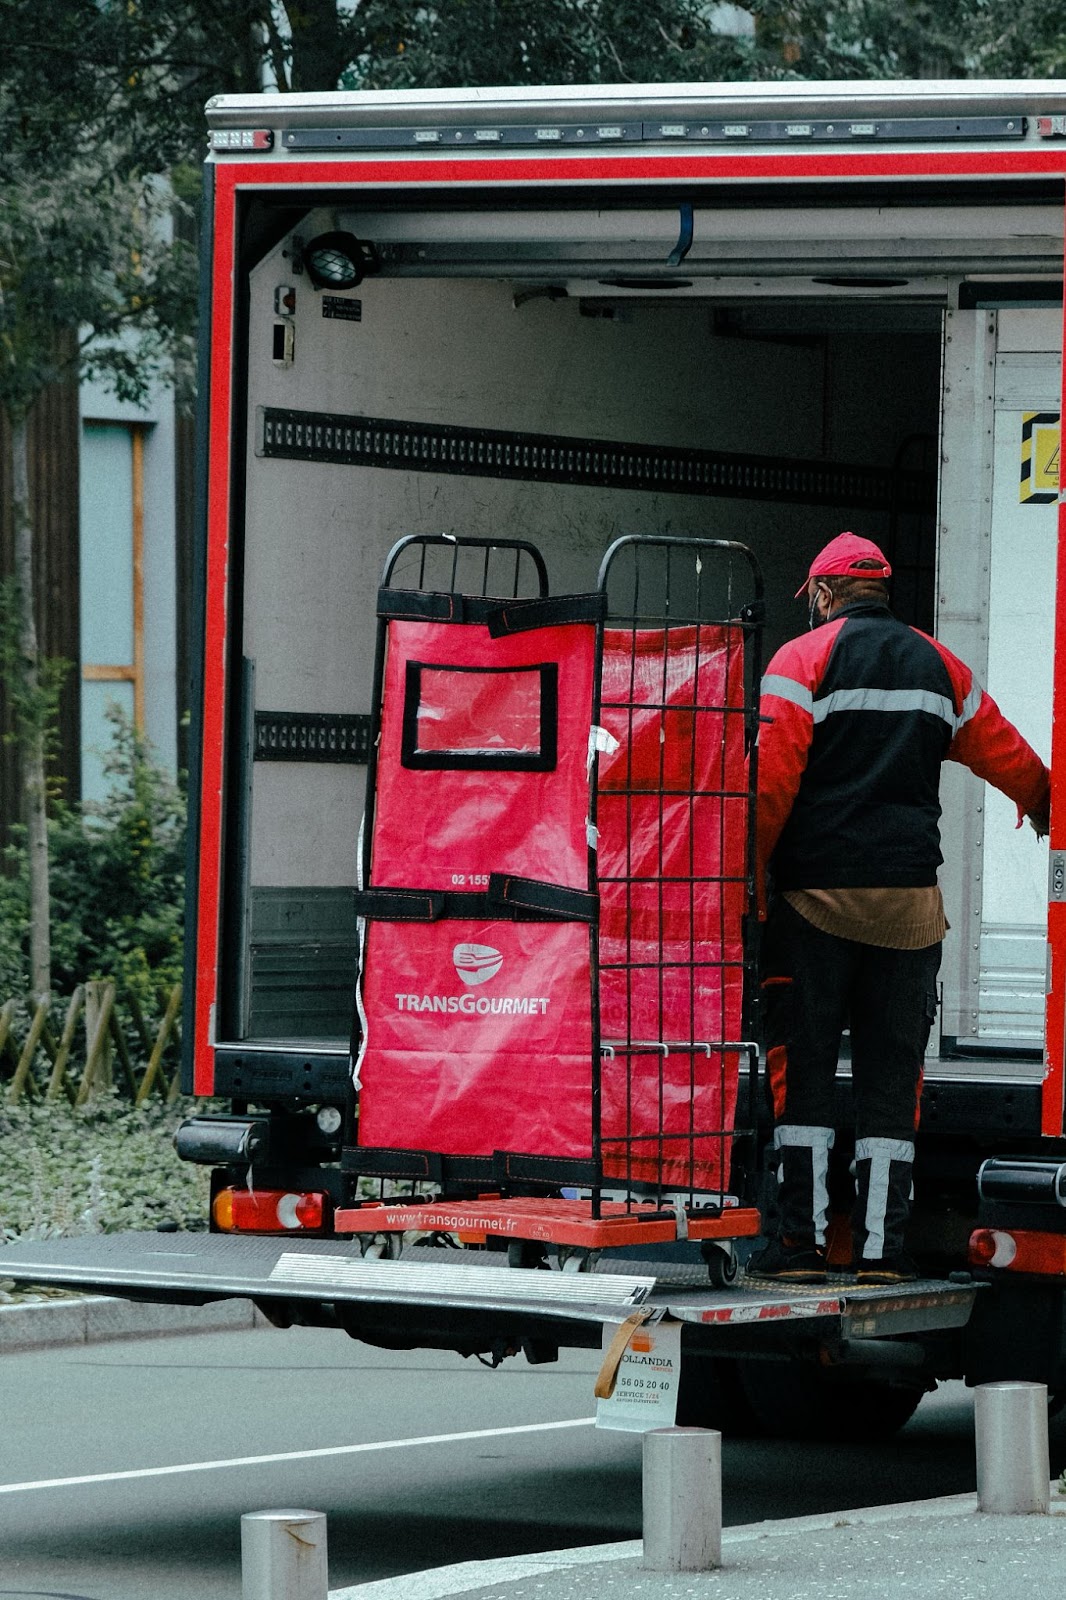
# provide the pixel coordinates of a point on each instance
(381, 1246)
(526, 1253)
(575, 1259)
(723, 1268)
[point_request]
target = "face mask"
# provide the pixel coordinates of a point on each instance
(814, 619)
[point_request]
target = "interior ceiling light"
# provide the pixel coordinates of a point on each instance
(339, 260)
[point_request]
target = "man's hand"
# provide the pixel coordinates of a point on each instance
(1040, 821)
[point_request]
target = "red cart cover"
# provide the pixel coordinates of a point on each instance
(446, 825)
(672, 816)
(479, 1038)
(478, 1032)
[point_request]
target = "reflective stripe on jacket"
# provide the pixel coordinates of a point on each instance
(861, 713)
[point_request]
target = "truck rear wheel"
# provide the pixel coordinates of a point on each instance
(797, 1400)
(712, 1395)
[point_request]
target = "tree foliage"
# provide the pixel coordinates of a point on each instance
(117, 880)
(487, 42)
(118, 873)
(86, 234)
(84, 248)
(133, 75)
(1024, 39)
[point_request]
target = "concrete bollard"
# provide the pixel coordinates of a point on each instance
(682, 1500)
(283, 1555)
(1013, 1468)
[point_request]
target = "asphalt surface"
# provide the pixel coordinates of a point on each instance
(401, 1493)
(136, 1405)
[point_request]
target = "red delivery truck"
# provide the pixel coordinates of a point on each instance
(522, 413)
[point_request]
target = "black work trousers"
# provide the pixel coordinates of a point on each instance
(814, 986)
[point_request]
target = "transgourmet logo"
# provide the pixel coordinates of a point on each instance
(476, 963)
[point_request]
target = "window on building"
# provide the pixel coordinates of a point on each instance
(112, 589)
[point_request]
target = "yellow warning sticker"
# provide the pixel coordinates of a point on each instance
(1041, 435)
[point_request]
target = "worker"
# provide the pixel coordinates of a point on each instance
(858, 716)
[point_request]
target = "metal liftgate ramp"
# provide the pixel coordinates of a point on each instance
(196, 1268)
(561, 817)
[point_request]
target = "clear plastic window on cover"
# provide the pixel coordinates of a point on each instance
(480, 718)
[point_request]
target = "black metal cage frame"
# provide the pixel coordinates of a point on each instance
(645, 582)
(667, 583)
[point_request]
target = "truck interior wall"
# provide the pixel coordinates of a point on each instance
(997, 543)
(843, 382)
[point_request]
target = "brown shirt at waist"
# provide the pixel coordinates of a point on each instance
(897, 919)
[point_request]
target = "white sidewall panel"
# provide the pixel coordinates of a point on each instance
(1021, 643)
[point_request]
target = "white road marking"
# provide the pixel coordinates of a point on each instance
(295, 1455)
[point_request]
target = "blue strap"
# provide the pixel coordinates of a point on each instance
(684, 238)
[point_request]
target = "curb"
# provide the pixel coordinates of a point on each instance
(53, 1323)
(442, 1583)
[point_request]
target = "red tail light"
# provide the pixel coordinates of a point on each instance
(991, 1248)
(270, 1211)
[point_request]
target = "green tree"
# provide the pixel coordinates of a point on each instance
(1023, 39)
(868, 38)
(116, 879)
(91, 277)
(119, 873)
(490, 42)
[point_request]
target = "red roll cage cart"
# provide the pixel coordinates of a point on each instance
(557, 960)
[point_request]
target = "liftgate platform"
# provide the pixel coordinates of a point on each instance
(490, 1303)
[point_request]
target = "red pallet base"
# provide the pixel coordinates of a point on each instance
(566, 1222)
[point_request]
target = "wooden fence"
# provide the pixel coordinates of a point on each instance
(97, 1047)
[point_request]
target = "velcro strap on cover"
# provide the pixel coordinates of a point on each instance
(399, 905)
(419, 605)
(543, 899)
(377, 1162)
(507, 897)
(521, 616)
(511, 1166)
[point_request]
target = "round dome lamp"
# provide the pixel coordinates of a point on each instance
(338, 260)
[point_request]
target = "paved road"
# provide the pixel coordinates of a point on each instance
(132, 1408)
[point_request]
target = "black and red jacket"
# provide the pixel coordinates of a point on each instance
(859, 716)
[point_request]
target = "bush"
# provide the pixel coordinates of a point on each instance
(117, 881)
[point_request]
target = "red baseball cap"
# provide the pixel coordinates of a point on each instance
(840, 557)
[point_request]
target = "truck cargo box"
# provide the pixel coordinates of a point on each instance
(756, 312)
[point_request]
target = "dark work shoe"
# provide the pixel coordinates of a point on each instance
(886, 1269)
(787, 1263)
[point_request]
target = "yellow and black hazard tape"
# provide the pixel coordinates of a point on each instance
(1040, 458)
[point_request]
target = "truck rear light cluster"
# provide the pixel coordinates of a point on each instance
(242, 139)
(989, 1247)
(1021, 1250)
(270, 1211)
